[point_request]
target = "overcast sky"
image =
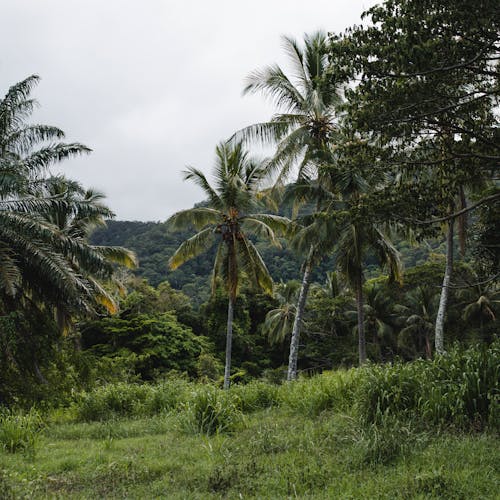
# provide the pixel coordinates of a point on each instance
(153, 85)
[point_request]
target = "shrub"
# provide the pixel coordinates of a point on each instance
(460, 388)
(19, 432)
(209, 410)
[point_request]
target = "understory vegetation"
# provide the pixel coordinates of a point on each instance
(376, 432)
(323, 324)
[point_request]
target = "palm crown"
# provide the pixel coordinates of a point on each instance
(227, 219)
(307, 104)
(42, 257)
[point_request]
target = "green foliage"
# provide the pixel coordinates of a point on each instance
(256, 395)
(329, 391)
(459, 388)
(126, 399)
(151, 344)
(18, 431)
(208, 410)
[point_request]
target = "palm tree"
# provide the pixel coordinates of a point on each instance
(356, 241)
(419, 316)
(79, 213)
(38, 258)
(307, 104)
(480, 300)
(46, 266)
(227, 220)
(356, 237)
(279, 321)
(379, 316)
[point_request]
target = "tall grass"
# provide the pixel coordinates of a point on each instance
(329, 391)
(209, 410)
(130, 400)
(460, 388)
(19, 432)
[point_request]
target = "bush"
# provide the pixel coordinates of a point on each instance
(460, 388)
(122, 399)
(209, 410)
(19, 432)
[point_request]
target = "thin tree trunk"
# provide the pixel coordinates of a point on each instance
(445, 292)
(229, 342)
(462, 223)
(294, 341)
(39, 374)
(361, 320)
(428, 348)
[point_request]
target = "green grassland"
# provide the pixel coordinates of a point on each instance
(273, 455)
(427, 429)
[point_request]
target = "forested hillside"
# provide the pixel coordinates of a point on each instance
(154, 243)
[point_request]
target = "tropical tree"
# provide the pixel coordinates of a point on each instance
(418, 316)
(81, 211)
(279, 321)
(348, 217)
(40, 261)
(307, 104)
(379, 316)
(302, 129)
(227, 220)
(428, 90)
(355, 243)
(480, 299)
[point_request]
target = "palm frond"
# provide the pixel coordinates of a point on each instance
(198, 177)
(273, 83)
(254, 266)
(192, 247)
(195, 217)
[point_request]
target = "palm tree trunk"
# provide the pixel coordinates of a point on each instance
(229, 342)
(361, 320)
(445, 291)
(294, 341)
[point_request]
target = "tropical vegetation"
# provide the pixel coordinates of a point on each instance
(324, 323)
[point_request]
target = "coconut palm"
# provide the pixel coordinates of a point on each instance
(312, 235)
(307, 102)
(379, 316)
(226, 221)
(480, 300)
(355, 242)
(356, 238)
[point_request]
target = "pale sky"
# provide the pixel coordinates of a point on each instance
(153, 85)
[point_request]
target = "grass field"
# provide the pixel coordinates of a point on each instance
(423, 430)
(270, 454)
(273, 455)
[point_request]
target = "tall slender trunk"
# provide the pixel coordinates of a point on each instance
(428, 347)
(445, 292)
(462, 223)
(294, 341)
(361, 320)
(229, 342)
